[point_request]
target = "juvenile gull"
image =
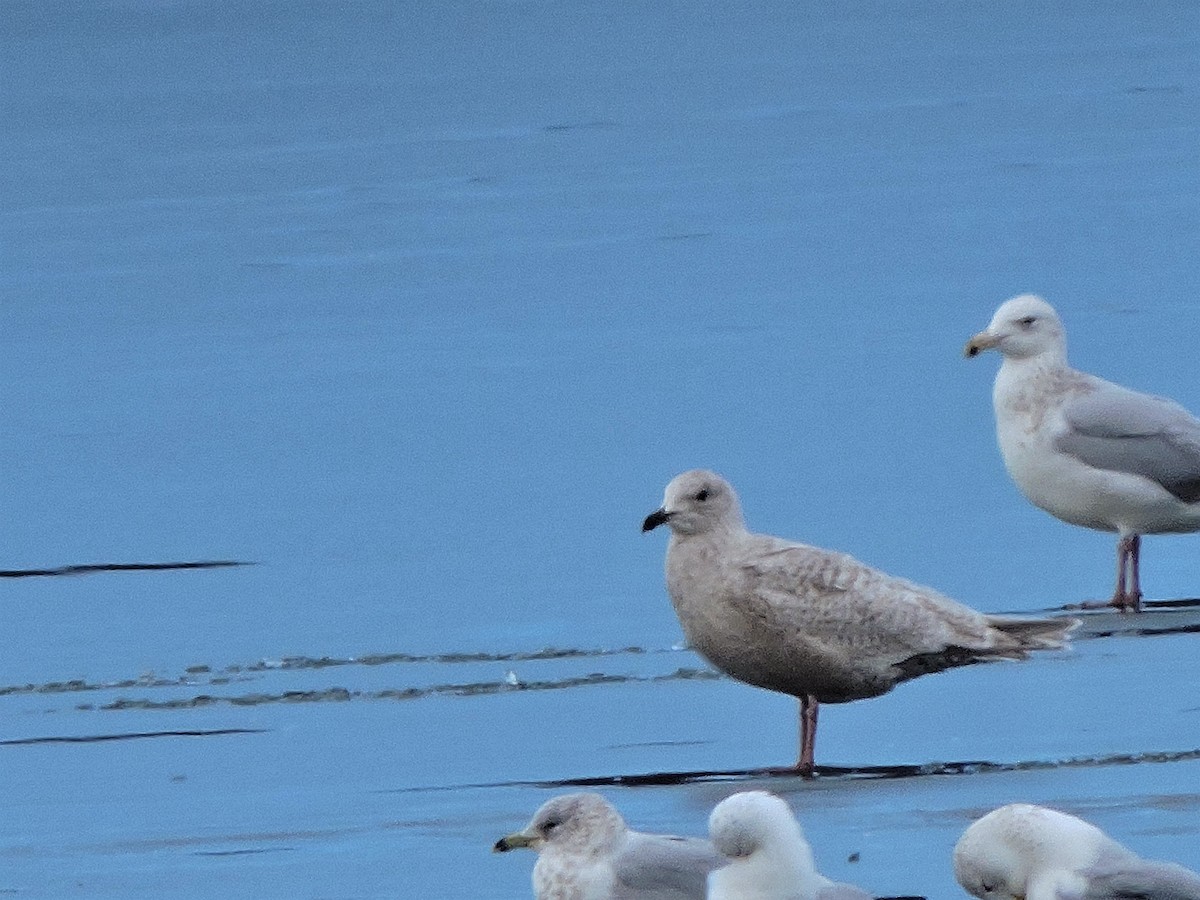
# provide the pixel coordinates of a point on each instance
(1025, 852)
(1086, 450)
(586, 852)
(813, 623)
(769, 857)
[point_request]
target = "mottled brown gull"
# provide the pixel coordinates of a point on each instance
(1026, 852)
(769, 857)
(813, 623)
(586, 852)
(1086, 450)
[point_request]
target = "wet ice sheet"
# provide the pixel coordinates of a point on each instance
(351, 297)
(329, 304)
(385, 785)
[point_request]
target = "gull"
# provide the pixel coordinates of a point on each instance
(1026, 852)
(769, 857)
(816, 624)
(586, 852)
(1085, 450)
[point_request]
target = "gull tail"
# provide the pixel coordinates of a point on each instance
(1014, 639)
(1035, 634)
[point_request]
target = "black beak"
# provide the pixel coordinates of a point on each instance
(658, 517)
(501, 846)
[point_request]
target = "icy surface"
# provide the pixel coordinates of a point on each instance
(402, 302)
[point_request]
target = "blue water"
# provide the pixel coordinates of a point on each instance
(417, 307)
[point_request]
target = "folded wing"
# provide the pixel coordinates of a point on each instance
(1119, 430)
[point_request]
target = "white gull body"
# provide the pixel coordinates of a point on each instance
(1085, 450)
(1026, 852)
(769, 859)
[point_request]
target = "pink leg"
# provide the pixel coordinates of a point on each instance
(1118, 597)
(1133, 596)
(808, 734)
(1128, 595)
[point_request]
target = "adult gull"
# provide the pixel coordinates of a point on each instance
(1086, 450)
(1026, 852)
(816, 624)
(769, 859)
(587, 852)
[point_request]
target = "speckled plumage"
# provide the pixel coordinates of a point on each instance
(586, 852)
(815, 623)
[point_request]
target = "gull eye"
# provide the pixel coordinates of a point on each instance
(550, 826)
(702, 495)
(1027, 322)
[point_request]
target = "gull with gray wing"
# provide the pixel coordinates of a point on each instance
(1027, 852)
(1085, 450)
(587, 852)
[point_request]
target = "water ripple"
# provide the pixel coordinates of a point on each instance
(467, 689)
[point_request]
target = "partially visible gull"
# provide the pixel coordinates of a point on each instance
(1025, 852)
(813, 623)
(1086, 450)
(769, 857)
(586, 852)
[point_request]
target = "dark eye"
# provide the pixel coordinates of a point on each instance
(550, 826)
(702, 495)
(1027, 321)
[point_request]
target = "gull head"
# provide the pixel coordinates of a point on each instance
(697, 502)
(1022, 851)
(571, 823)
(743, 824)
(1022, 328)
(768, 855)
